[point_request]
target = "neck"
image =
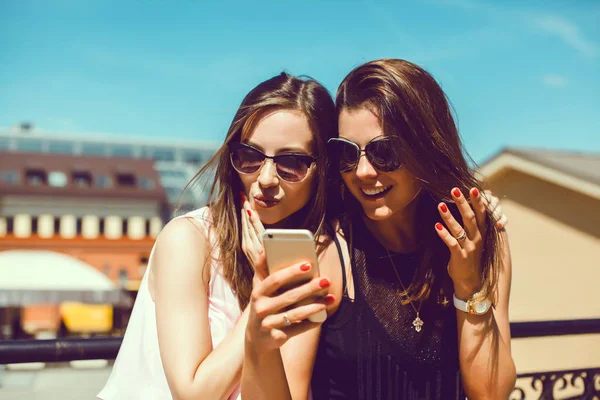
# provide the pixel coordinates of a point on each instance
(397, 233)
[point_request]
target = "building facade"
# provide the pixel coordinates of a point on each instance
(176, 162)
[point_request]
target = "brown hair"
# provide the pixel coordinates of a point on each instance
(414, 108)
(283, 91)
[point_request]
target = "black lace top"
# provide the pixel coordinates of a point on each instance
(369, 348)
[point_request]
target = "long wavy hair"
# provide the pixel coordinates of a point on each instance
(412, 107)
(286, 92)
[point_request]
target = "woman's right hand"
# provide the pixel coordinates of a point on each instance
(274, 315)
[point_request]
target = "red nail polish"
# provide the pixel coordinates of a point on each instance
(324, 283)
(305, 267)
(439, 226)
(444, 208)
(242, 196)
(456, 192)
(499, 224)
(249, 213)
(329, 299)
(475, 193)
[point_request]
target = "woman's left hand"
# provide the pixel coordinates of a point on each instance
(465, 243)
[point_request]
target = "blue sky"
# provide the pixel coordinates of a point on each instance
(518, 73)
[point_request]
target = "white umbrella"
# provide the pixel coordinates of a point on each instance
(41, 276)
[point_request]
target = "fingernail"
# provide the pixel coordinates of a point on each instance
(456, 192)
(329, 299)
(439, 226)
(475, 193)
(249, 213)
(444, 208)
(499, 224)
(305, 267)
(324, 283)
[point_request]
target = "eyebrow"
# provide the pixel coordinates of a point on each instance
(294, 150)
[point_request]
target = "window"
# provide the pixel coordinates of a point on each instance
(173, 173)
(193, 157)
(10, 224)
(79, 224)
(163, 155)
(30, 146)
(187, 198)
(4, 144)
(81, 179)
(60, 148)
(94, 149)
(34, 225)
(121, 151)
(57, 179)
(125, 179)
(10, 177)
(36, 177)
(147, 183)
(123, 276)
(103, 181)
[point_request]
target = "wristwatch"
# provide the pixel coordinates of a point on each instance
(475, 305)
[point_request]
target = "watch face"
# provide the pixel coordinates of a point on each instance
(482, 306)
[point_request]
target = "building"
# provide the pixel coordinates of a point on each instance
(552, 199)
(175, 161)
(105, 215)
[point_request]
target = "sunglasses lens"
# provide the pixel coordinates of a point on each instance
(383, 154)
(246, 160)
(292, 168)
(342, 154)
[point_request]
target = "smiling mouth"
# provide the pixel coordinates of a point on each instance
(376, 192)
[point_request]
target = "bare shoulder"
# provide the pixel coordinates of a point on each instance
(181, 248)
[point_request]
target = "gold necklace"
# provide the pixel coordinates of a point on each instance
(418, 322)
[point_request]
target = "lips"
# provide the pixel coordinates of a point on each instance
(265, 201)
(375, 192)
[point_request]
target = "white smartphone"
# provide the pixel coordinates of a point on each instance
(285, 247)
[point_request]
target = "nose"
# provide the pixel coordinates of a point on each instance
(364, 169)
(268, 175)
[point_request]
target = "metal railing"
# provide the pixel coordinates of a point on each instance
(545, 385)
(580, 384)
(59, 350)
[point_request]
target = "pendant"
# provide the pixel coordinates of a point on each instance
(418, 323)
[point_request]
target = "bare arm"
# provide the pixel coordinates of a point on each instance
(280, 364)
(486, 362)
(181, 272)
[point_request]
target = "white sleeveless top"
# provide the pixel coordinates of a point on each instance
(138, 372)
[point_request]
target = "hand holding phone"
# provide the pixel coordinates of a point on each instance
(285, 247)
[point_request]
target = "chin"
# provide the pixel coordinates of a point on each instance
(379, 213)
(268, 218)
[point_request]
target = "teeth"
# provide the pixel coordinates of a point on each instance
(373, 192)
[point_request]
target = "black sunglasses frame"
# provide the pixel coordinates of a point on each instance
(305, 158)
(370, 158)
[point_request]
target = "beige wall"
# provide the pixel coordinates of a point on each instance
(554, 235)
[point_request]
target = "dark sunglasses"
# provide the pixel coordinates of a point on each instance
(290, 167)
(382, 153)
